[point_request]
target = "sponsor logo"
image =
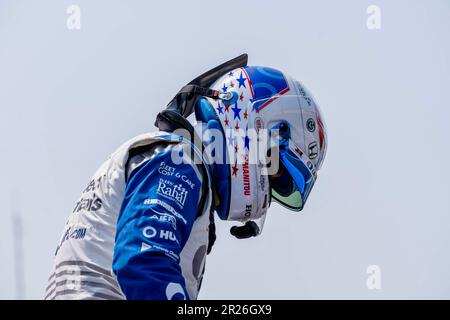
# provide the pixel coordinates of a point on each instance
(313, 150)
(167, 170)
(294, 148)
(168, 235)
(262, 182)
(185, 179)
(149, 232)
(311, 167)
(172, 191)
(78, 233)
(304, 94)
(246, 176)
(93, 185)
(167, 252)
(298, 151)
(166, 206)
(93, 203)
(166, 218)
(248, 210)
(72, 232)
(311, 125)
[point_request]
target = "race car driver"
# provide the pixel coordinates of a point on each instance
(145, 221)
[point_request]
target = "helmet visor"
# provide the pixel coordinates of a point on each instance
(294, 182)
(292, 187)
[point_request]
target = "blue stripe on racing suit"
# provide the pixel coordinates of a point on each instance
(155, 220)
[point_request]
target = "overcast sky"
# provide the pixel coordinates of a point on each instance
(68, 98)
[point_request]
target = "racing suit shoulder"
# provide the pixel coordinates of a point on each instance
(157, 215)
(83, 261)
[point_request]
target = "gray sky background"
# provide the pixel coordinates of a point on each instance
(69, 98)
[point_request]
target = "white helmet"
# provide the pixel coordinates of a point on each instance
(244, 104)
(265, 98)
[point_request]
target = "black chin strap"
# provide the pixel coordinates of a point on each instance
(248, 230)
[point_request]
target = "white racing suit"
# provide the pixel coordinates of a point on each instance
(139, 229)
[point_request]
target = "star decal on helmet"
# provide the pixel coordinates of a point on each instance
(242, 80)
(236, 111)
(220, 108)
(235, 169)
(246, 141)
